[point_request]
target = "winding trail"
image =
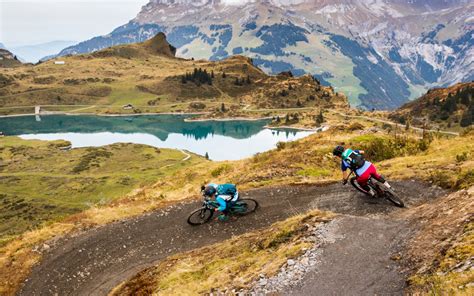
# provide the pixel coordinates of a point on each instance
(394, 123)
(359, 259)
(95, 261)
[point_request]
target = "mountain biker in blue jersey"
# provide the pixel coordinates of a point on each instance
(353, 160)
(225, 194)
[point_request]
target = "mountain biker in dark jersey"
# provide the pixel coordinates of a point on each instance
(224, 194)
(354, 161)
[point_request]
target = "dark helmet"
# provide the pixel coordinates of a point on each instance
(208, 190)
(338, 151)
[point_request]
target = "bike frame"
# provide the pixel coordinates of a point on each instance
(212, 204)
(369, 182)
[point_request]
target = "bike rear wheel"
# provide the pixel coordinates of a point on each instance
(356, 185)
(393, 198)
(200, 216)
(245, 206)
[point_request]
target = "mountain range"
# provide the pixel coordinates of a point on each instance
(380, 53)
(33, 53)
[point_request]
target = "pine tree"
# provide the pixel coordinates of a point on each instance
(223, 107)
(466, 119)
(466, 99)
(296, 117)
(207, 156)
(212, 74)
(319, 118)
(248, 79)
(290, 87)
(183, 79)
(223, 75)
(298, 103)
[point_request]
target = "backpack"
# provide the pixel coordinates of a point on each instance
(226, 189)
(355, 160)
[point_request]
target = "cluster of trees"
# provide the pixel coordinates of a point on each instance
(292, 118)
(462, 99)
(241, 81)
(289, 118)
(198, 76)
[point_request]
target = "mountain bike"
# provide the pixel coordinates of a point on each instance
(204, 214)
(380, 189)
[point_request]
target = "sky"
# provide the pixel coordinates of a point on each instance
(29, 22)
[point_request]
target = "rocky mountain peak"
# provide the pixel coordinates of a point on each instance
(159, 45)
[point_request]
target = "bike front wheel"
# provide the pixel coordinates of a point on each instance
(200, 216)
(245, 206)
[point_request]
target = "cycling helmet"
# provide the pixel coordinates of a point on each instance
(338, 151)
(208, 191)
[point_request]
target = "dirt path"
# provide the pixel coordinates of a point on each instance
(358, 261)
(396, 124)
(95, 261)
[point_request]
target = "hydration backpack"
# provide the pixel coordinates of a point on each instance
(226, 189)
(355, 160)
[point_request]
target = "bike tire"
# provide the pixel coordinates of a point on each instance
(356, 185)
(393, 198)
(200, 216)
(251, 206)
(389, 194)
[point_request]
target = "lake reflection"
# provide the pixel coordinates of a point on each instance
(222, 140)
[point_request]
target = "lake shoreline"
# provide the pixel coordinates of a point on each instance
(222, 119)
(104, 115)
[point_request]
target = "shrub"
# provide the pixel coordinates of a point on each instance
(381, 148)
(465, 180)
(462, 157)
(197, 105)
(281, 145)
(220, 170)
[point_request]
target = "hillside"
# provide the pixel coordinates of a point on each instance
(449, 107)
(148, 76)
(380, 53)
(42, 182)
(7, 60)
(440, 160)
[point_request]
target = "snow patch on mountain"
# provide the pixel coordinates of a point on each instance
(334, 8)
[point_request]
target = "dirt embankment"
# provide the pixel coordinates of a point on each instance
(95, 261)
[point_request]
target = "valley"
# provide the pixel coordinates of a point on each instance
(442, 160)
(105, 146)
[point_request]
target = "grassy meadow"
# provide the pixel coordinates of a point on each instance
(40, 183)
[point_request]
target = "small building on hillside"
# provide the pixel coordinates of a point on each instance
(127, 107)
(59, 62)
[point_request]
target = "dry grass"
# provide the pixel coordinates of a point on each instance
(441, 254)
(132, 74)
(306, 161)
(234, 263)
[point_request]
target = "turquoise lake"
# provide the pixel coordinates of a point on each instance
(222, 140)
